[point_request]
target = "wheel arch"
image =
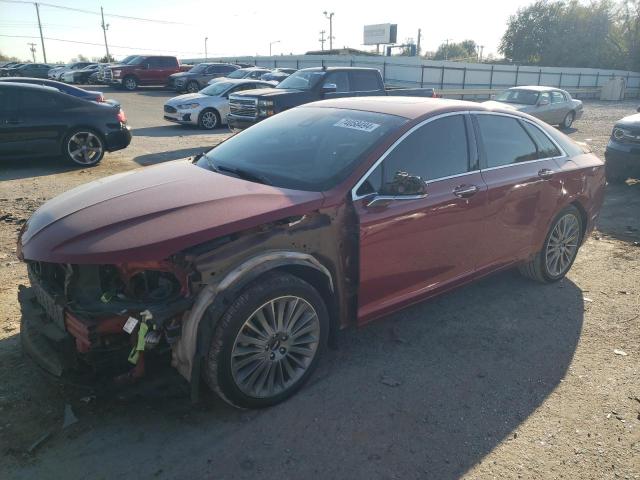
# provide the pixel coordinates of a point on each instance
(583, 214)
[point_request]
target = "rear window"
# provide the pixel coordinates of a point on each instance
(364, 81)
(308, 148)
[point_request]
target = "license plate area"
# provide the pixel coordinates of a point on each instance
(47, 301)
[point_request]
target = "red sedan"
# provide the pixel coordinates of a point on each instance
(242, 263)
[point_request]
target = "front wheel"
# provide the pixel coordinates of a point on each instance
(193, 87)
(208, 119)
(568, 120)
(268, 342)
(559, 250)
(130, 83)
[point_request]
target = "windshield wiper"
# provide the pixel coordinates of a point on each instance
(241, 173)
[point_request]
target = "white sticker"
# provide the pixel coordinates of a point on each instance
(361, 125)
(130, 325)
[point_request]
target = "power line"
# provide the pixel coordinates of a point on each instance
(102, 45)
(91, 12)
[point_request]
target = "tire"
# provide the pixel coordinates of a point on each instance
(130, 83)
(613, 174)
(267, 361)
(83, 147)
(209, 119)
(540, 268)
(193, 87)
(568, 120)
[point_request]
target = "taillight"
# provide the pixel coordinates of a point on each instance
(122, 118)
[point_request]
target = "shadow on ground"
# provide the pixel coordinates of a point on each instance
(424, 393)
(620, 215)
(154, 158)
(173, 130)
(31, 168)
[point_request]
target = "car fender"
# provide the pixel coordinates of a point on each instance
(214, 297)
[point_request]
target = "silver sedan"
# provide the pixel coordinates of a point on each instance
(551, 105)
(209, 107)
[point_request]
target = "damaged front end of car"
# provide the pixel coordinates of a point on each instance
(101, 321)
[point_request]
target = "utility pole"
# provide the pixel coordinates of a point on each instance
(418, 44)
(33, 51)
(104, 31)
(446, 50)
(272, 43)
(206, 56)
(330, 17)
(44, 52)
(322, 39)
(481, 50)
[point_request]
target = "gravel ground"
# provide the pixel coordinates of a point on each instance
(500, 379)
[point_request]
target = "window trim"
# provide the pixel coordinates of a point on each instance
(484, 168)
(463, 113)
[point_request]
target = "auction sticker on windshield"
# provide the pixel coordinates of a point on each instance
(361, 125)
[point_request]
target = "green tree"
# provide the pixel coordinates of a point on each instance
(6, 58)
(465, 50)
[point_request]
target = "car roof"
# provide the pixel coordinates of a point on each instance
(240, 80)
(329, 69)
(408, 107)
(536, 88)
(29, 85)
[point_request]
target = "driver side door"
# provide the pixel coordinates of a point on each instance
(420, 211)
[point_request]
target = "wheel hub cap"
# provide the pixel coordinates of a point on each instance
(562, 245)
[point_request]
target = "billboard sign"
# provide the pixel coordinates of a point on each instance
(382, 33)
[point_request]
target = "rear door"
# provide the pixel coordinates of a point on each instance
(365, 83)
(340, 81)
(560, 106)
(518, 167)
(411, 245)
(154, 73)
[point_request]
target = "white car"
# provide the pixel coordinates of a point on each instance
(209, 107)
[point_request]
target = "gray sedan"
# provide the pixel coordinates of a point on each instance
(552, 105)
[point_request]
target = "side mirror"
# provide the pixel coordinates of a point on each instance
(402, 187)
(329, 88)
(543, 102)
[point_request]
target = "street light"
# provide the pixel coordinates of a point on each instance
(206, 57)
(330, 17)
(271, 44)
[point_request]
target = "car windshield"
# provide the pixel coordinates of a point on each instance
(216, 89)
(524, 97)
(129, 60)
(307, 148)
(201, 67)
(240, 73)
(302, 80)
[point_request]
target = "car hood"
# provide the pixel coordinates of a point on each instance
(270, 92)
(152, 213)
(185, 98)
(630, 121)
(508, 106)
(183, 75)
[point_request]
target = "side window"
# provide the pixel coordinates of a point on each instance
(228, 69)
(505, 141)
(339, 79)
(39, 100)
(168, 62)
(364, 81)
(546, 148)
(557, 97)
(545, 96)
(436, 150)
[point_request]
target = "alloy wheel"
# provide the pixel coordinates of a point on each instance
(568, 120)
(275, 347)
(192, 87)
(562, 245)
(85, 148)
(130, 84)
(209, 120)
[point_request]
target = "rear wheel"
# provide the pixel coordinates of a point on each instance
(193, 87)
(268, 342)
(83, 147)
(559, 250)
(130, 83)
(209, 119)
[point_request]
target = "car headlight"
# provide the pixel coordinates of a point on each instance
(187, 106)
(265, 103)
(179, 81)
(620, 133)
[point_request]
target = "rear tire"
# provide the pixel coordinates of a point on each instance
(542, 267)
(268, 342)
(83, 147)
(568, 121)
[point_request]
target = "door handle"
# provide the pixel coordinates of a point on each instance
(545, 173)
(13, 122)
(465, 191)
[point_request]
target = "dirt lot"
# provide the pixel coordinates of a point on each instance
(501, 379)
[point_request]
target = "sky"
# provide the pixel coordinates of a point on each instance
(242, 28)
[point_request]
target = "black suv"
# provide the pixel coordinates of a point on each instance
(304, 86)
(623, 150)
(196, 79)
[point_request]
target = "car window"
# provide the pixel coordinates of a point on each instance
(364, 81)
(545, 96)
(167, 62)
(557, 97)
(505, 141)
(37, 100)
(240, 88)
(228, 68)
(546, 148)
(339, 79)
(436, 150)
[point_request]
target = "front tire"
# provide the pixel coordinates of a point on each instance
(209, 119)
(559, 250)
(193, 87)
(568, 120)
(130, 83)
(268, 342)
(83, 147)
